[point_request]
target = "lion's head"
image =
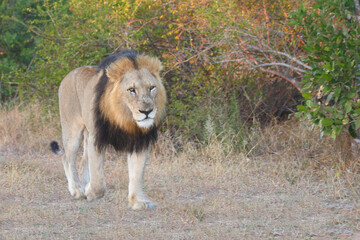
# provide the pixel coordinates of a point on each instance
(130, 95)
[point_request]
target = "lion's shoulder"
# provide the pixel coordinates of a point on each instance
(86, 72)
(78, 75)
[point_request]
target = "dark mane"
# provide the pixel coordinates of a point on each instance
(130, 54)
(106, 133)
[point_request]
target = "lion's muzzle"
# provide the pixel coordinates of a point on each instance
(146, 118)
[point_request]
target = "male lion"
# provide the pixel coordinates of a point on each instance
(118, 103)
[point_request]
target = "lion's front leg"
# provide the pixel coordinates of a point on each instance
(96, 187)
(137, 198)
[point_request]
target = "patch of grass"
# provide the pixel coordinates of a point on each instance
(286, 184)
(30, 126)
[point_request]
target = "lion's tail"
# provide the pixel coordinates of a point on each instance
(55, 148)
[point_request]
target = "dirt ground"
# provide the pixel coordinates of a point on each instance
(197, 199)
(289, 185)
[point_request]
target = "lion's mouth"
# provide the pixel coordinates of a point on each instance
(145, 119)
(145, 123)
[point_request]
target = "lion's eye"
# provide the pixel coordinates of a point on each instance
(132, 90)
(152, 88)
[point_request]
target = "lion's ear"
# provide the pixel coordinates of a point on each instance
(151, 63)
(116, 70)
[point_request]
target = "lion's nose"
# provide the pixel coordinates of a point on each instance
(146, 112)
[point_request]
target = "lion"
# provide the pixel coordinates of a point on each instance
(119, 103)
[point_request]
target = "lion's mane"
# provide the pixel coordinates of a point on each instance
(126, 136)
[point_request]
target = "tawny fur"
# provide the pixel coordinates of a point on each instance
(116, 94)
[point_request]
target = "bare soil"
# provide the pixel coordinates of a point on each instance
(291, 186)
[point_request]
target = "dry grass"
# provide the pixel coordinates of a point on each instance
(286, 184)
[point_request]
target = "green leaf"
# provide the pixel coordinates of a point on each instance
(329, 109)
(336, 131)
(357, 124)
(329, 98)
(298, 114)
(338, 122)
(351, 94)
(348, 107)
(337, 92)
(326, 77)
(328, 66)
(309, 49)
(302, 108)
(328, 131)
(310, 103)
(326, 122)
(307, 95)
(292, 22)
(317, 5)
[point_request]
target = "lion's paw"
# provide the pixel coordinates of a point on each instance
(77, 193)
(94, 193)
(139, 204)
(143, 205)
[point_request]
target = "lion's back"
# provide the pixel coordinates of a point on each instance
(75, 90)
(77, 79)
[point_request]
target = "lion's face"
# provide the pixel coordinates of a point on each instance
(139, 90)
(135, 98)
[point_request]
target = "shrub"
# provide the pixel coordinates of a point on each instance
(331, 31)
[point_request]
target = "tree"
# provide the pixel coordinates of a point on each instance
(17, 42)
(266, 42)
(331, 87)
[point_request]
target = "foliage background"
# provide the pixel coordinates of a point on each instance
(211, 51)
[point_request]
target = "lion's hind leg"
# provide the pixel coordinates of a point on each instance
(85, 161)
(71, 144)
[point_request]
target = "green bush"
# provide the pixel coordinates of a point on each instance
(17, 44)
(331, 89)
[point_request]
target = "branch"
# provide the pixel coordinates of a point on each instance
(277, 73)
(290, 80)
(232, 60)
(32, 28)
(39, 32)
(31, 62)
(260, 53)
(53, 21)
(282, 54)
(278, 64)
